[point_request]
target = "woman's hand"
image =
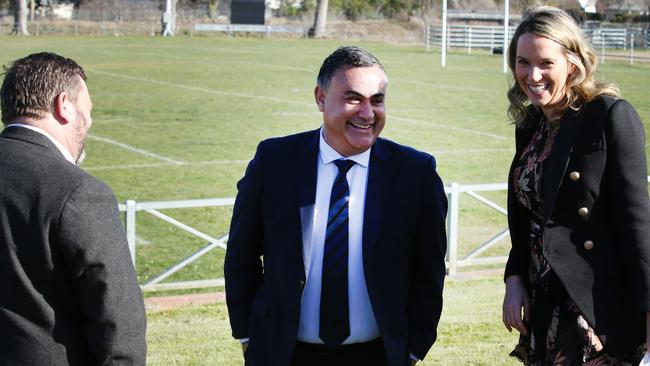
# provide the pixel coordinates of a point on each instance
(514, 301)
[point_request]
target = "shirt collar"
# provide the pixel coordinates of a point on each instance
(58, 145)
(328, 154)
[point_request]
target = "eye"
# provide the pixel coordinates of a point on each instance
(377, 101)
(352, 100)
(522, 62)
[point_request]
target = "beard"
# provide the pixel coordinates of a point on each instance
(81, 156)
(81, 131)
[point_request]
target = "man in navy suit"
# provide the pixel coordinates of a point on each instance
(337, 241)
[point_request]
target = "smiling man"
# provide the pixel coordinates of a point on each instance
(337, 241)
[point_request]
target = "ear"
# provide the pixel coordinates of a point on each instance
(64, 111)
(319, 95)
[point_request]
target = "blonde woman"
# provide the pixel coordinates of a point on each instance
(578, 274)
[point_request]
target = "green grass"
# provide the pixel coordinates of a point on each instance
(200, 105)
(470, 331)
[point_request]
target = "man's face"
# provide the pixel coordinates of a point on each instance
(82, 122)
(353, 108)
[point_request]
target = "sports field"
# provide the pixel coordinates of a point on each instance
(179, 118)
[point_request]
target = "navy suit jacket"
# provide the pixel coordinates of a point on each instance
(404, 245)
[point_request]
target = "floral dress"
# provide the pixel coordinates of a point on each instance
(558, 334)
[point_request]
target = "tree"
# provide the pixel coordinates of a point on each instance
(320, 19)
(20, 17)
(212, 8)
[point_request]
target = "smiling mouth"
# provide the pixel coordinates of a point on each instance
(359, 126)
(537, 89)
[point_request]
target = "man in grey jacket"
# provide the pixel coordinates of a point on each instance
(68, 289)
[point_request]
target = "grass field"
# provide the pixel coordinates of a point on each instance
(470, 331)
(179, 118)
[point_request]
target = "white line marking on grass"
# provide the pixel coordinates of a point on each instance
(110, 120)
(163, 165)
(280, 100)
(135, 149)
(213, 61)
(443, 86)
(471, 151)
(454, 128)
(205, 90)
(297, 113)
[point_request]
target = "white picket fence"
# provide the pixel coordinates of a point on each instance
(454, 192)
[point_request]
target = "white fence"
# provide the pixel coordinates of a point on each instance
(453, 262)
(491, 37)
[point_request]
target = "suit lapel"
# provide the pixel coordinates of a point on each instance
(381, 171)
(305, 178)
(557, 162)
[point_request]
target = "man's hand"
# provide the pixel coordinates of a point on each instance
(244, 346)
(514, 301)
(413, 362)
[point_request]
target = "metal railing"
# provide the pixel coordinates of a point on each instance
(453, 262)
(491, 37)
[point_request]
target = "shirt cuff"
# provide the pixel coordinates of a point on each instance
(413, 357)
(244, 340)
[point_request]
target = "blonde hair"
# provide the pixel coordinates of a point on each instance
(581, 87)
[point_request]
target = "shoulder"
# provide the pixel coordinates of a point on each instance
(603, 105)
(289, 141)
(405, 155)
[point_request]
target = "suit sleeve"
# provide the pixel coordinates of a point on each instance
(243, 263)
(627, 172)
(99, 263)
(428, 265)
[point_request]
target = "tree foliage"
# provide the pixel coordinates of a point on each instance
(392, 9)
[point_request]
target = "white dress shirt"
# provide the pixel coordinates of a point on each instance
(363, 326)
(58, 145)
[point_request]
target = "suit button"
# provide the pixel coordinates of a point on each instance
(574, 176)
(301, 283)
(589, 245)
(583, 211)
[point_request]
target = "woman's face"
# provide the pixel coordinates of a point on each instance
(542, 70)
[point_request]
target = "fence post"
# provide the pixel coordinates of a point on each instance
(469, 41)
(130, 227)
(452, 228)
(427, 35)
(631, 48)
(602, 46)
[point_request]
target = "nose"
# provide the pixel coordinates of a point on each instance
(535, 74)
(366, 110)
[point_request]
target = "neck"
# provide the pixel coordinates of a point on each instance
(50, 125)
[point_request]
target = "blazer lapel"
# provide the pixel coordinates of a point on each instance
(381, 171)
(305, 179)
(557, 162)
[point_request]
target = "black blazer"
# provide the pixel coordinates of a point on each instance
(597, 218)
(404, 245)
(68, 290)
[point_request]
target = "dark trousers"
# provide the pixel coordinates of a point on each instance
(369, 353)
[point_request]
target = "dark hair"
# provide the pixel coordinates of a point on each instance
(352, 56)
(32, 83)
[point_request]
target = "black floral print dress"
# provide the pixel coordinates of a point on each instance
(558, 334)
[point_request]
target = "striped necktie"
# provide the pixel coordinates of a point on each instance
(334, 309)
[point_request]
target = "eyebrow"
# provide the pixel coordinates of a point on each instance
(350, 93)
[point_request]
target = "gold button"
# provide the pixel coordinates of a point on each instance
(574, 176)
(583, 211)
(589, 245)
